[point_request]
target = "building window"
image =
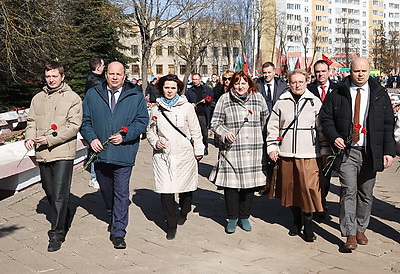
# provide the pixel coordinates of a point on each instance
(225, 51)
(159, 50)
(170, 32)
(182, 32)
(171, 69)
(134, 50)
(170, 50)
(215, 51)
(159, 69)
(182, 69)
(235, 51)
(215, 69)
(135, 69)
(158, 32)
(204, 69)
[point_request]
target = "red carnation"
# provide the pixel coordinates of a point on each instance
(279, 138)
(357, 126)
(364, 131)
(53, 126)
(124, 129)
(250, 111)
(153, 118)
(208, 99)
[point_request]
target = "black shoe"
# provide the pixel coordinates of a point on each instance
(119, 242)
(182, 219)
(171, 233)
(54, 245)
(205, 151)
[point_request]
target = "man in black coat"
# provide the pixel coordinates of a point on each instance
(269, 86)
(95, 75)
(322, 87)
(358, 120)
(197, 95)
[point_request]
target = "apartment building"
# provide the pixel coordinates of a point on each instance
(216, 56)
(340, 29)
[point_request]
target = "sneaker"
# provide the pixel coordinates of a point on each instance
(93, 183)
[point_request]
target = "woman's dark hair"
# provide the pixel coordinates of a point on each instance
(170, 77)
(241, 74)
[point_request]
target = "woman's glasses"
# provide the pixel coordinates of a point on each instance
(226, 78)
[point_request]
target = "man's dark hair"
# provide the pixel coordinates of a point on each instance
(321, 62)
(94, 62)
(196, 73)
(267, 65)
(54, 65)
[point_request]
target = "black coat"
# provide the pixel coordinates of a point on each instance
(313, 87)
(93, 79)
(280, 86)
(336, 119)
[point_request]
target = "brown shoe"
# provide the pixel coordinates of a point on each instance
(361, 238)
(351, 242)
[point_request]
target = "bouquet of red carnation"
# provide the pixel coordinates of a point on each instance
(208, 99)
(123, 130)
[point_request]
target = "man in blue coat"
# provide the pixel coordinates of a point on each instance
(107, 108)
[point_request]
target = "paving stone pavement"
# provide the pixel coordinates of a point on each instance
(201, 245)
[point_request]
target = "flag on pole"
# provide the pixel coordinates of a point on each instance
(329, 61)
(238, 63)
(245, 65)
(297, 65)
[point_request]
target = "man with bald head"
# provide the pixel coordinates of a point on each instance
(358, 120)
(107, 107)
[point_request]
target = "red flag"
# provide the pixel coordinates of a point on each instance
(297, 66)
(245, 65)
(329, 61)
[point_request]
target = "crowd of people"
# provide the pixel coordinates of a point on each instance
(276, 137)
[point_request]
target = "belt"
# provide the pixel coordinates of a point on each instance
(360, 148)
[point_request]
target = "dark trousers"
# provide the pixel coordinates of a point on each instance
(168, 205)
(238, 202)
(114, 187)
(204, 129)
(56, 181)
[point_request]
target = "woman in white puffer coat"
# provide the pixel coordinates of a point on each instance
(175, 135)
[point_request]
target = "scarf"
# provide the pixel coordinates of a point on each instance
(170, 102)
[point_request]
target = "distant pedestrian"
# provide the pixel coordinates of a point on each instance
(94, 77)
(172, 131)
(54, 119)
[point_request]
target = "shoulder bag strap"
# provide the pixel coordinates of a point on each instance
(295, 117)
(177, 129)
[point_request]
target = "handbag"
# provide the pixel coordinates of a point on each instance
(177, 129)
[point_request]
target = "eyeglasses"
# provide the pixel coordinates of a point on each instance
(226, 78)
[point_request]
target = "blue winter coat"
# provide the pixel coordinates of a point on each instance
(98, 122)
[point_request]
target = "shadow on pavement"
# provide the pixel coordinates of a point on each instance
(150, 204)
(210, 204)
(205, 169)
(8, 230)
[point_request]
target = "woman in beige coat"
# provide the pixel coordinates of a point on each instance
(295, 144)
(175, 135)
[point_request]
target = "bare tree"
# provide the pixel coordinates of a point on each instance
(154, 18)
(349, 36)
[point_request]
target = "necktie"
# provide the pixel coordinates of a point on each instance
(112, 103)
(356, 117)
(323, 93)
(269, 97)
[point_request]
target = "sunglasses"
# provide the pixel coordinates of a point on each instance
(226, 78)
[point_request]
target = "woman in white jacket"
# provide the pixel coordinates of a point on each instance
(175, 135)
(295, 143)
